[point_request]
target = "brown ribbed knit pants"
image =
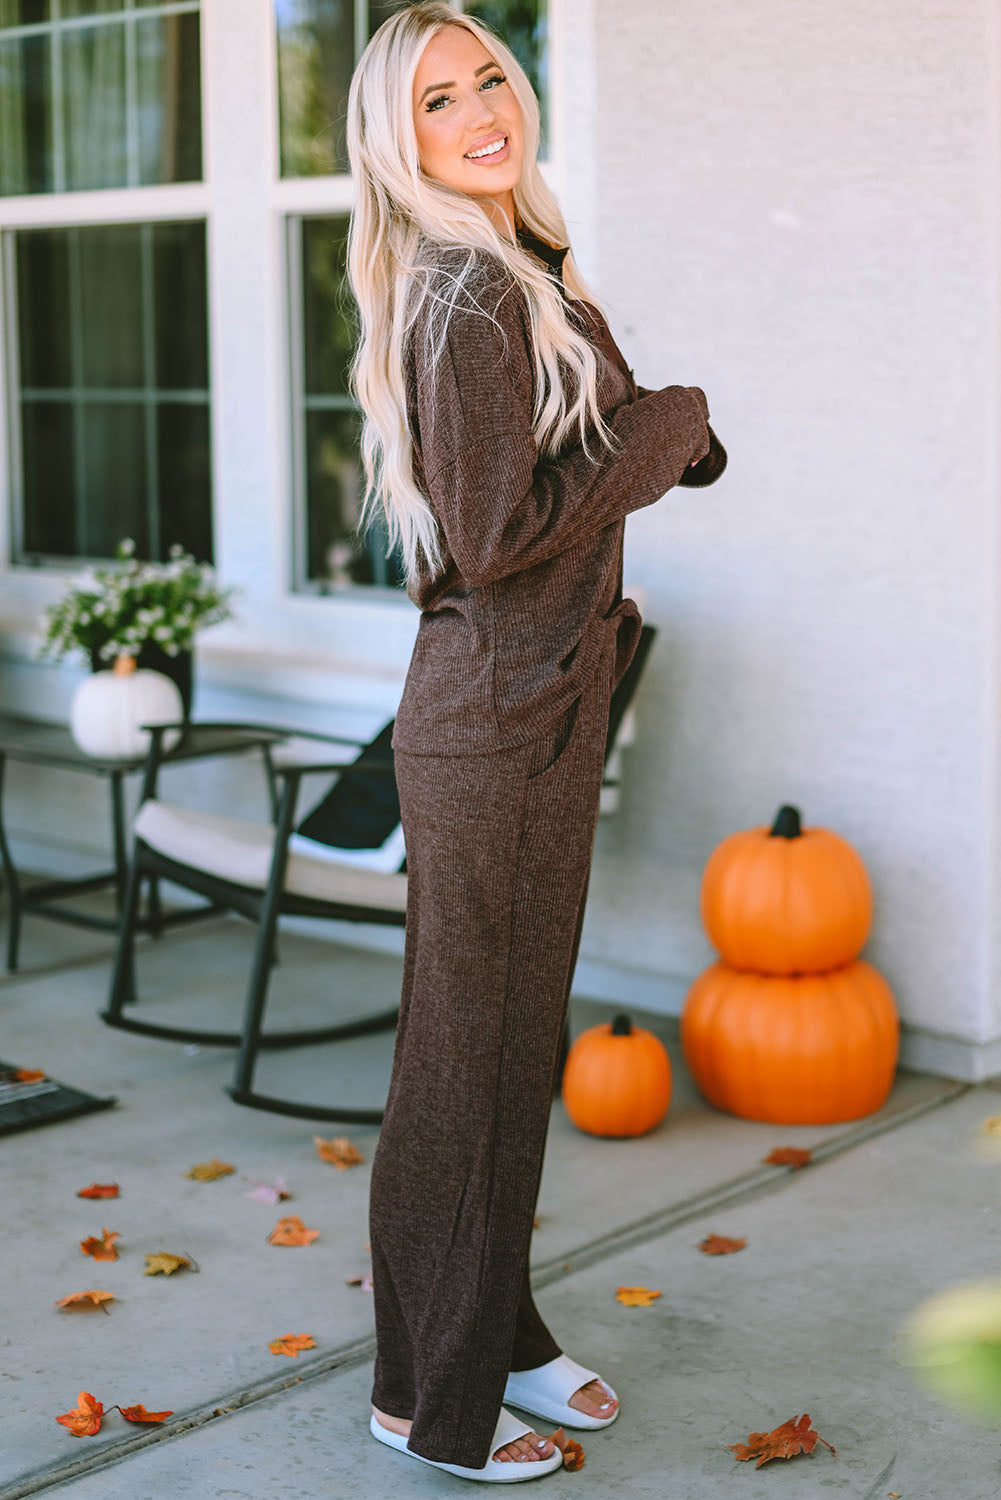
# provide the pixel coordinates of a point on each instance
(498, 856)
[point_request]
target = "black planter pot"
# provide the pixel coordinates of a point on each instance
(153, 658)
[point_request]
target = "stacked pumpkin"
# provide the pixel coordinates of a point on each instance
(790, 1026)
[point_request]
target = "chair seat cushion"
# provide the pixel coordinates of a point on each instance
(240, 851)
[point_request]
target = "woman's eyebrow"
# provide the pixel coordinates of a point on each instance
(451, 84)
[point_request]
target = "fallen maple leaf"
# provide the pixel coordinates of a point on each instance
(139, 1413)
(339, 1152)
(268, 1192)
(362, 1279)
(99, 1190)
(792, 1437)
(992, 1125)
(292, 1231)
(28, 1075)
(635, 1296)
(292, 1343)
(101, 1249)
(164, 1263)
(789, 1156)
(208, 1171)
(88, 1300)
(85, 1418)
(720, 1244)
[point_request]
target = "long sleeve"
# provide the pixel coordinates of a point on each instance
(709, 467)
(504, 507)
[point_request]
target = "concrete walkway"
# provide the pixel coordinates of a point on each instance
(892, 1208)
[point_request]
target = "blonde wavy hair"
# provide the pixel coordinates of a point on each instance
(404, 229)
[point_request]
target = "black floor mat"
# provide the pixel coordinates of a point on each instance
(39, 1101)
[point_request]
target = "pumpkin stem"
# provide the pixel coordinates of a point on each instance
(622, 1026)
(787, 823)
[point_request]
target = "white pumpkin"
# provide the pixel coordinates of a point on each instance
(109, 707)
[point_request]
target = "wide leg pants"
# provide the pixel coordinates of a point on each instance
(498, 857)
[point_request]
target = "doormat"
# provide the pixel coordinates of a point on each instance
(29, 1097)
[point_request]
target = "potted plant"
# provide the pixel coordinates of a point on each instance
(149, 611)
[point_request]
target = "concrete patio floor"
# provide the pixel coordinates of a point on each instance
(892, 1208)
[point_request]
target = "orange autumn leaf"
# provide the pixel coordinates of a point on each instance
(99, 1190)
(573, 1453)
(292, 1343)
(87, 1300)
(362, 1279)
(165, 1263)
(29, 1075)
(339, 1152)
(138, 1413)
(292, 1231)
(208, 1171)
(789, 1156)
(85, 1418)
(785, 1441)
(721, 1244)
(101, 1249)
(635, 1296)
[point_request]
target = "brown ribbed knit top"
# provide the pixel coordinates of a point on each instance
(513, 624)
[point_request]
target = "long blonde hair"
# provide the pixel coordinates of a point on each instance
(403, 225)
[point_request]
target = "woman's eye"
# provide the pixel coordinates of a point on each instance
(441, 99)
(434, 103)
(494, 78)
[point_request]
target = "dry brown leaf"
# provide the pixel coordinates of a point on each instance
(139, 1413)
(785, 1441)
(101, 1249)
(164, 1263)
(292, 1231)
(362, 1279)
(86, 1300)
(721, 1244)
(789, 1156)
(635, 1296)
(339, 1152)
(29, 1075)
(208, 1171)
(85, 1418)
(573, 1455)
(292, 1343)
(99, 1190)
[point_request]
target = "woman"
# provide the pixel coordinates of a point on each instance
(505, 441)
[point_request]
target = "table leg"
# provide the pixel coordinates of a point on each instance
(13, 884)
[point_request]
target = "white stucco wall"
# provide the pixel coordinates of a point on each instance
(798, 211)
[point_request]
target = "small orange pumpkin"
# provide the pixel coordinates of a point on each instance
(786, 899)
(811, 1050)
(617, 1079)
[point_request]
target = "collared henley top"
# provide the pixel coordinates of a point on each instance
(513, 624)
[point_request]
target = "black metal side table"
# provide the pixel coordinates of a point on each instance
(46, 744)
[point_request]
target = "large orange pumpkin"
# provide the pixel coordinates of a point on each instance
(786, 899)
(617, 1079)
(810, 1050)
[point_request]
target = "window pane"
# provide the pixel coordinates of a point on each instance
(331, 482)
(168, 88)
(316, 56)
(25, 120)
(328, 307)
(93, 101)
(23, 12)
(114, 406)
(128, 108)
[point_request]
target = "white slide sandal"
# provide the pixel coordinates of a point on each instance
(546, 1392)
(495, 1470)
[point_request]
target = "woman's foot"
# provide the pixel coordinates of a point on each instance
(594, 1399)
(523, 1450)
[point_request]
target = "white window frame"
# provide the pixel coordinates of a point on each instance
(285, 642)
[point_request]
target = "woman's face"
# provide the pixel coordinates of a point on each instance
(463, 104)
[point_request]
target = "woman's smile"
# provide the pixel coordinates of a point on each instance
(493, 150)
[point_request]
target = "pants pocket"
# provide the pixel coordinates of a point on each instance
(550, 749)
